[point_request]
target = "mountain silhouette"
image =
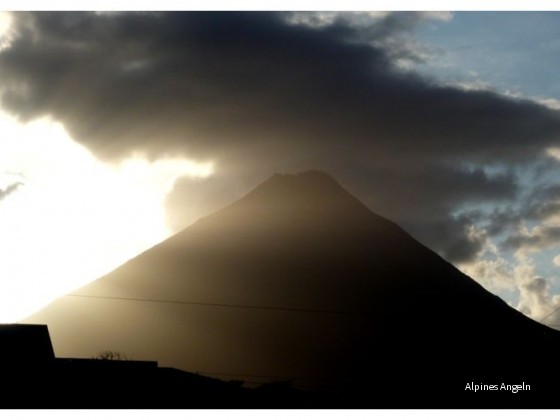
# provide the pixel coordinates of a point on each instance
(299, 280)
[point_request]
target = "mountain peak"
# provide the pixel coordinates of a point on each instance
(299, 279)
(301, 193)
(291, 202)
(309, 176)
(300, 181)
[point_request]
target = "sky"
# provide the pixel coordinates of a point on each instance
(119, 129)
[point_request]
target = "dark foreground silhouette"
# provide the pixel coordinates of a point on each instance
(33, 378)
(300, 280)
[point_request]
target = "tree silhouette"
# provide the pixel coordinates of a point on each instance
(111, 355)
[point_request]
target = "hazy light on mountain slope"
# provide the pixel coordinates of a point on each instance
(66, 218)
(296, 279)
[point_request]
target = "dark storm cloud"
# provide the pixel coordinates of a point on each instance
(394, 34)
(452, 238)
(541, 204)
(422, 198)
(541, 237)
(213, 80)
(258, 95)
(544, 202)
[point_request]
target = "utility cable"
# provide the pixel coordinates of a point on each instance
(223, 305)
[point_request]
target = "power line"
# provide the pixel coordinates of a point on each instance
(555, 310)
(222, 305)
(252, 307)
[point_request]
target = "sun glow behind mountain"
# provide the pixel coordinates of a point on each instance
(67, 218)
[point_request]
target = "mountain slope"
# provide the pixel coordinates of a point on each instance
(300, 280)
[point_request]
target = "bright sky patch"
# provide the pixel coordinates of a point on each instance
(66, 218)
